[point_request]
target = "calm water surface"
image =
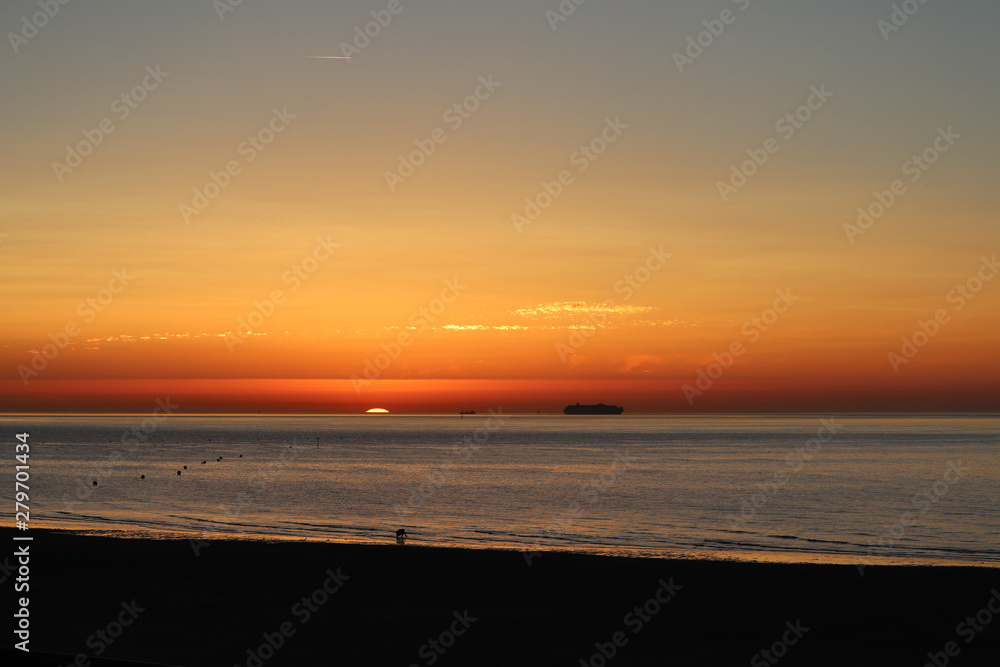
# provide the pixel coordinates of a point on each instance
(857, 488)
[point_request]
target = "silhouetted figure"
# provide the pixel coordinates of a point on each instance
(203, 462)
(95, 484)
(178, 472)
(185, 467)
(142, 477)
(401, 534)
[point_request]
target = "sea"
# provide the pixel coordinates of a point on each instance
(858, 489)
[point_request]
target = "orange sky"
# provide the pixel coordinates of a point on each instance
(244, 235)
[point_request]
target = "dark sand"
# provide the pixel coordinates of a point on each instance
(211, 608)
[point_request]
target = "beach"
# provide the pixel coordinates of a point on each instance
(249, 604)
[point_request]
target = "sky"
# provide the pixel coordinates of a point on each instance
(434, 205)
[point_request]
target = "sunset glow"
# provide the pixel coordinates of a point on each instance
(439, 221)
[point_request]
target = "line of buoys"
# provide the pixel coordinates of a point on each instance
(204, 462)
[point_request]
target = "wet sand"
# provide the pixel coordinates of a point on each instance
(252, 604)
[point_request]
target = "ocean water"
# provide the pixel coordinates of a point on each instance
(845, 488)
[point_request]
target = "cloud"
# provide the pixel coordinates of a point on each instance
(577, 308)
(643, 362)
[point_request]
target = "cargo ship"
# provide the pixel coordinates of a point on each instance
(599, 409)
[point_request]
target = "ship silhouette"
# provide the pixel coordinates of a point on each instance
(599, 409)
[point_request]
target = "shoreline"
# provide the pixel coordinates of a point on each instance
(744, 555)
(221, 602)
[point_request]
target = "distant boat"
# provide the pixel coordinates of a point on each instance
(467, 412)
(599, 409)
